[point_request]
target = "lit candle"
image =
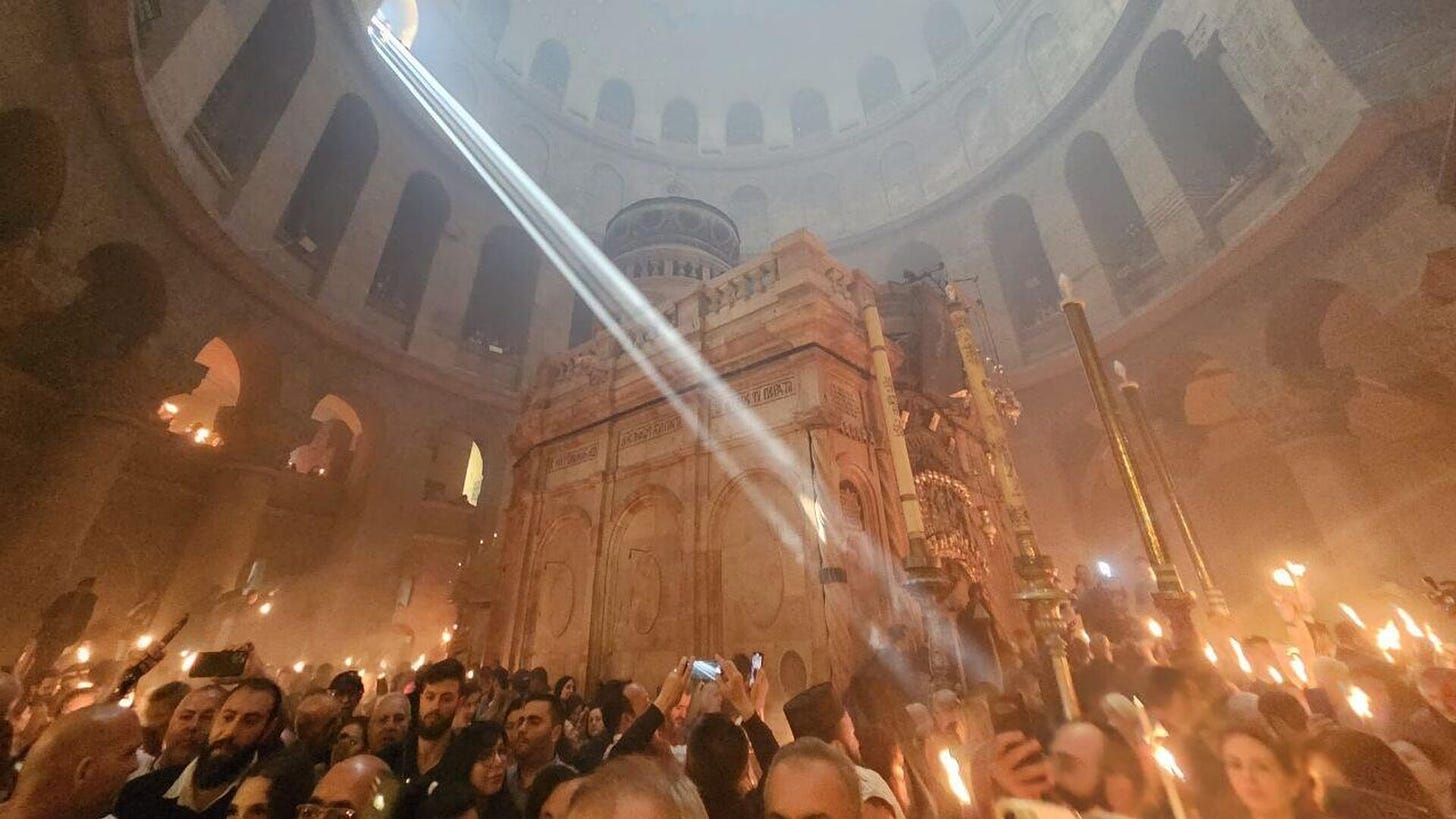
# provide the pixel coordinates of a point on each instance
(1436, 644)
(144, 642)
(265, 608)
(1210, 653)
(1168, 768)
(1388, 640)
(418, 663)
(187, 661)
(349, 661)
(83, 653)
(1064, 284)
(1155, 628)
(1360, 703)
(1296, 666)
(1296, 569)
(299, 666)
(1354, 618)
(1274, 676)
(1409, 622)
(1244, 664)
(1104, 568)
(953, 777)
(446, 636)
(1283, 578)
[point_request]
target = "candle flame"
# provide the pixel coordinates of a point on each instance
(1354, 618)
(187, 661)
(349, 661)
(299, 666)
(1409, 622)
(1388, 638)
(446, 636)
(1436, 643)
(418, 663)
(1104, 568)
(1155, 628)
(1244, 664)
(1296, 569)
(1210, 653)
(83, 653)
(1117, 367)
(1275, 676)
(1283, 578)
(144, 642)
(953, 776)
(1167, 761)
(265, 608)
(1296, 665)
(1359, 703)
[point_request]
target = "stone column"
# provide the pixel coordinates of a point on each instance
(1305, 416)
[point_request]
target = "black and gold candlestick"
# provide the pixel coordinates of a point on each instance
(1132, 394)
(1170, 598)
(1039, 591)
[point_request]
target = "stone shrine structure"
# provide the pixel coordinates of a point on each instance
(630, 541)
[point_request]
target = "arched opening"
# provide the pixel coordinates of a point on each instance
(1385, 48)
(1027, 281)
(244, 107)
(945, 32)
(318, 213)
(879, 85)
(616, 106)
(123, 303)
(497, 17)
(744, 124)
(503, 296)
(193, 415)
(457, 469)
(680, 122)
(809, 115)
(822, 209)
(1210, 140)
(32, 172)
(749, 208)
(646, 585)
(551, 68)
(900, 175)
(1111, 215)
(404, 266)
(403, 17)
(330, 453)
(914, 256)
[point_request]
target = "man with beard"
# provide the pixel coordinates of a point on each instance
(533, 727)
(244, 726)
(389, 724)
(419, 762)
(188, 729)
(1093, 768)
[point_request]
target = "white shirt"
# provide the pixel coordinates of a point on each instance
(874, 786)
(185, 794)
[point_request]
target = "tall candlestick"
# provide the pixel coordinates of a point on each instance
(1170, 598)
(1040, 592)
(1132, 394)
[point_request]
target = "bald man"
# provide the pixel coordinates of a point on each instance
(811, 779)
(362, 784)
(389, 722)
(78, 766)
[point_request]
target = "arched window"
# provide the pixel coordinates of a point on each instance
(809, 114)
(1200, 124)
(879, 85)
(323, 202)
(331, 452)
(244, 107)
(404, 266)
(680, 122)
(504, 293)
(551, 68)
(457, 468)
(194, 414)
(1027, 281)
(749, 208)
(823, 211)
(32, 172)
(1113, 219)
(583, 322)
(745, 124)
(616, 106)
(497, 17)
(901, 177)
(945, 32)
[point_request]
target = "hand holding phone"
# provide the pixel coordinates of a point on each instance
(227, 663)
(706, 670)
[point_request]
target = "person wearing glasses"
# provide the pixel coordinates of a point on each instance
(360, 787)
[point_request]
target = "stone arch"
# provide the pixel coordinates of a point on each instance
(809, 115)
(823, 209)
(551, 68)
(504, 293)
(749, 208)
(403, 17)
(900, 176)
(945, 33)
(194, 414)
(680, 122)
(409, 251)
(1027, 281)
(879, 86)
(1385, 48)
(323, 202)
(744, 125)
(757, 521)
(32, 172)
(457, 467)
(561, 594)
(913, 256)
(342, 432)
(245, 106)
(1205, 132)
(616, 105)
(1114, 221)
(648, 582)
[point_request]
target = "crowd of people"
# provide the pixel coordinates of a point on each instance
(1164, 732)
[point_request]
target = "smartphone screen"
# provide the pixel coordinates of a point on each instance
(220, 664)
(705, 670)
(754, 665)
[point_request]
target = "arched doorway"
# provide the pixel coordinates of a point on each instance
(647, 591)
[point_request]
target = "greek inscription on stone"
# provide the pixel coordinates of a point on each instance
(573, 457)
(846, 400)
(651, 430)
(764, 393)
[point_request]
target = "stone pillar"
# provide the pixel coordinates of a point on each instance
(1305, 416)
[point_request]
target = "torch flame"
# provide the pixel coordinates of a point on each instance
(1359, 703)
(1388, 638)
(83, 653)
(1167, 761)
(298, 667)
(1275, 676)
(1409, 622)
(418, 663)
(1244, 664)
(1155, 628)
(953, 776)
(1283, 578)
(1296, 665)
(1436, 643)
(1296, 569)
(144, 642)
(1209, 652)
(1350, 613)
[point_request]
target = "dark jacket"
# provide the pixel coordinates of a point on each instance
(142, 798)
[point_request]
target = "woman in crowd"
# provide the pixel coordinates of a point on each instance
(1356, 774)
(485, 744)
(1262, 772)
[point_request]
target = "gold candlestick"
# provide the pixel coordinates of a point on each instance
(1132, 394)
(1170, 598)
(1040, 592)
